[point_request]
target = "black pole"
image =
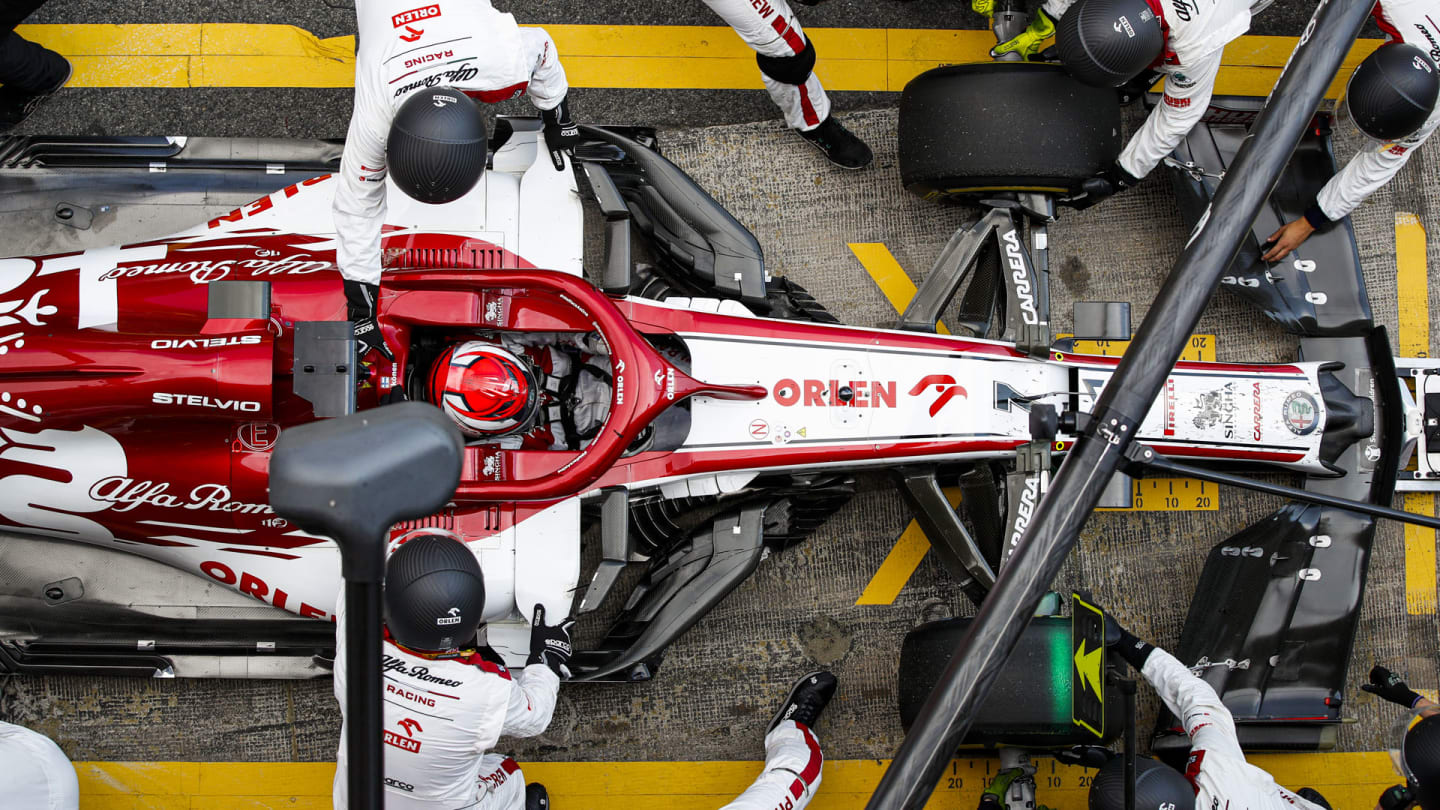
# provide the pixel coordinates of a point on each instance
(963, 686)
(1158, 463)
(1127, 693)
(352, 478)
(363, 707)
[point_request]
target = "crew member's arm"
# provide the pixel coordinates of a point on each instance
(547, 76)
(532, 698)
(548, 89)
(1187, 94)
(360, 194)
(532, 701)
(1206, 720)
(1370, 169)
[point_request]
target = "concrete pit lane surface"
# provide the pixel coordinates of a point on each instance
(715, 691)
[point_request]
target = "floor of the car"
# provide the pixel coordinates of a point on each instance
(715, 692)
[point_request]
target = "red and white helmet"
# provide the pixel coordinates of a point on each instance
(485, 388)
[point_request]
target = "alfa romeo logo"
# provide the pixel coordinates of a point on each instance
(1300, 413)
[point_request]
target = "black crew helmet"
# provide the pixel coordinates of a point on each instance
(437, 145)
(434, 594)
(1392, 92)
(1156, 786)
(1106, 43)
(1420, 758)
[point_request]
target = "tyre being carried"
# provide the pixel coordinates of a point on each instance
(1004, 126)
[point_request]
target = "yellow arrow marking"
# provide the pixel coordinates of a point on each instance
(1414, 338)
(627, 56)
(1089, 666)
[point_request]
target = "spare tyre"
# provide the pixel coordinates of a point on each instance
(967, 130)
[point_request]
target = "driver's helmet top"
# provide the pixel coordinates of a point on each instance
(434, 594)
(1392, 92)
(488, 390)
(1157, 785)
(1106, 43)
(437, 145)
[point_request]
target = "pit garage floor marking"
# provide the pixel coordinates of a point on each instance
(1346, 780)
(910, 548)
(1414, 339)
(611, 56)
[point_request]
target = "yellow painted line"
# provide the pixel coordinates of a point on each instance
(888, 275)
(1346, 780)
(625, 56)
(1412, 289)
(900, 564)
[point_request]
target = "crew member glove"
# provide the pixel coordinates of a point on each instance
(561, 133)
(1108, 181)
(1132, 649)
(360, 301)
(550, 644)
(985, 7)
(1388, 685)
(1028, 42)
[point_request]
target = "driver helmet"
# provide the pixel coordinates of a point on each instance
(1157, 785)
(434, 594)
(488, 390)
(1106, 43)
(1392, 92)
(437, 145)
(1418, 758)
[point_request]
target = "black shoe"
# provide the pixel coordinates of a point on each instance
(839, 144)
(536, 797)
(16, 105)
(1312, 795)
(808, 697)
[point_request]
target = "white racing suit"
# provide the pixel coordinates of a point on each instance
(441, 718)
(792, 771)
(785, 55)
(1416, 22)
(407, 45)
(1217, 767)
(34, 773)
(1196, 33)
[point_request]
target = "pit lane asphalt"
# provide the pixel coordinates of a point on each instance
(712, 697)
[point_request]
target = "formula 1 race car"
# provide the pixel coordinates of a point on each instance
(143, 386)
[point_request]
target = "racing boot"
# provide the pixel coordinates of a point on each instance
(807, 699)
(1313, 796)
(839, 144)
(536, 797)
(16, 104)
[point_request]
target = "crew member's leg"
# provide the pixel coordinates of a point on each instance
(503, 787)
(787, 61)
(792, 771)
(29, 73)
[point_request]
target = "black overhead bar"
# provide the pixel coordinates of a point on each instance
(1100, 451)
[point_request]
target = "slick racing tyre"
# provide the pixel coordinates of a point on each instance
(966, 130)
(1030, 703)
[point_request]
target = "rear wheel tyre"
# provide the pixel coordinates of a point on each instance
(996, 126)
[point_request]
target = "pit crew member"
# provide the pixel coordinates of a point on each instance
(1390, 99)
(792, 754)
(29, 73)
(787, 61)
(409, 118)
(1106, 43)
(448, 698)
(1216, 771)
(1417, 756)
(37, 775)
